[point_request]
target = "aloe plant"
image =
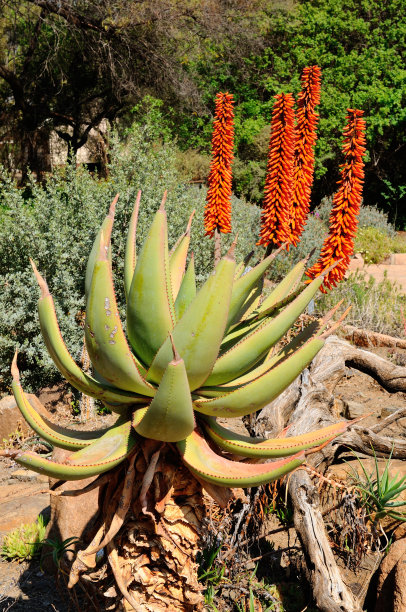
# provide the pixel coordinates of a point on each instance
(191, 356)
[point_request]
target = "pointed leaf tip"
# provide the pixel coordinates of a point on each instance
(189, 223)
(337, 324)
(231, 251)
(176, 355)
(112, 208)
(40, 280)
(162, 206)
(15, 373)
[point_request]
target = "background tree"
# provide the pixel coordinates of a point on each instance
(359, 47)
(66, 65)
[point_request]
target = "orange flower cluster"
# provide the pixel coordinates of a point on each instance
(217, 214)
(339, 243)
(303, 165)
(279, 174)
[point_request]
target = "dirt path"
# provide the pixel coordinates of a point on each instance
(394, 271)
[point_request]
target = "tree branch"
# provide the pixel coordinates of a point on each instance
(73, 17)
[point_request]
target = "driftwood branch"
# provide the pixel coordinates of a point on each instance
(309, 404)
(329, 590)
(367, 442)
(370, 339)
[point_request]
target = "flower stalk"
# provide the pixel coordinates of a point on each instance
(217, 214)
(303, 164)
(276, 207)
(339, 244)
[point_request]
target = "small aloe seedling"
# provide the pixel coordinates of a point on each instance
(380, 492)
(24, 542)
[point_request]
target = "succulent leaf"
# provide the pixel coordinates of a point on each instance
(102, 455)
(65, 362)
(314, 329)
(243, 286)
(198, 334)
(106, 230)
(56, 435)
(187, 291)
(247, 446)
(105, 340)
(201, 460)
(130, 256)
(150, 311)
(287, 285)
(169, 417)
(246, 353)
(256, 394)
(177, 259)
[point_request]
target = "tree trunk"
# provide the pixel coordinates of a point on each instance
(149, 527)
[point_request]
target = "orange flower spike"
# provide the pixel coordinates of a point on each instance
(279, 174)
(339, 243)
(303, 164)
(217, 213)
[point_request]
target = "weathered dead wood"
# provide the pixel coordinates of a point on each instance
(370, 339)
(366, 441)
(309, 404)
(329, 590)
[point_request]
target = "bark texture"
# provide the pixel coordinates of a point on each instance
(309, 404)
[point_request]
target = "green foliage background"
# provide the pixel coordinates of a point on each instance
(359, 45)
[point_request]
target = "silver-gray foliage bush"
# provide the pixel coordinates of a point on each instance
(369, 216)
(55, 224)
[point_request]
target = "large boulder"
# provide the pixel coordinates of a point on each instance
(71, 516)
(391, 586)
(11, 418)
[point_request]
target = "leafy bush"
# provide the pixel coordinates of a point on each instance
(55, 224)
(374, 245)
(312, 240)
(369, 216)
(374, 305)
(24, 542)
(398, 244)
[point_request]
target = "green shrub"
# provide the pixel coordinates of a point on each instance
(373, 244)
(192, 165)
(312, 239)
(24, 542)
(55, 224)
(369, 216)
(398, 244)
(374, 305)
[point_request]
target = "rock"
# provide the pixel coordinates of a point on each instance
(389, 410)
(71, 516)
(353, 410)
(21, 503)
(398, 259)
(391, 587)
(24, 475)
(11, 417)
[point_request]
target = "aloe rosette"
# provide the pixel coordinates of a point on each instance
(192, 356)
